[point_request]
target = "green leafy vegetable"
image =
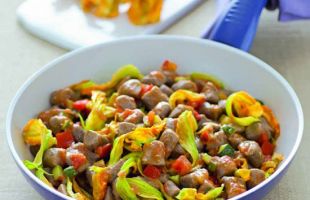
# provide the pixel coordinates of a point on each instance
(228, 129)
(182, 96)
(82, 121)
(248, 110)
(99, 113)
(206, 158)
(143, 189)
(187, 194)
(125, 71)
(117, 150)
(33, 131)
(40, 174)
(70, 172)
(87, 87)
(122, 186)
(58, 173)
(227, 150)
(83, 85)
(175, 179)
(186, 128)
(124, 190)
(69, 188)
(211, 195)
(47, 140)
(211, 166)
(214, 193)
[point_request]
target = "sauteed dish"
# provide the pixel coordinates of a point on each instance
(162, 135)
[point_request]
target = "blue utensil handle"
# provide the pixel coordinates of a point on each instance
(237, 24)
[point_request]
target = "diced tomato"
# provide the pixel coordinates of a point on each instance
(267, 148)
(64, 139)
(182, 165)
(263, 138)
(204, 136)
(196, 104)
(145, 88)
(197, 115)
(104, 151)
(80, 105)
(77, 160)
(169, 66)
(151, 117)
(151, 172)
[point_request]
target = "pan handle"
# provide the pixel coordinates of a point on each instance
(236, 25)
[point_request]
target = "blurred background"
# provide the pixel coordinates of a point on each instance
(285, 46)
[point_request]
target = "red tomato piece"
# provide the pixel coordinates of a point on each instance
(145, 88)
(77, 160)
(80, 105)
(197, 115)
(104, 151)
(267, 148)
(263, 138)
(64, 139)
(204, 136)
(196, 104)
(182, 165)
(151, 172)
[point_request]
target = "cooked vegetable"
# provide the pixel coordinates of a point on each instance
(81, 105)
(33, 131)
(181, 96)
(134, 144)
(100, 112)
(228, 129)
(145, 12)
(71, 193)
(58, 173)
(47, 140)
(64, 139)
(186, 128)
(117, 149)
(125, 71)
(272, 120)
(243, 173)
(187, 194)
(247, 108)
(226, 149)
(151, 172)
(212, 194)
(143, 189)
(122, 186)
(70, 172)
(181, 165)
(100, 183)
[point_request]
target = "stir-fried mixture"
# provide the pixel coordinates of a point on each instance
(160, 136)
(140, 12)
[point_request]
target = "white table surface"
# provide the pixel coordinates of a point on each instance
(284, 46)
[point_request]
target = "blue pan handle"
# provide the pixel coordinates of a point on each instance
(237, 23)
